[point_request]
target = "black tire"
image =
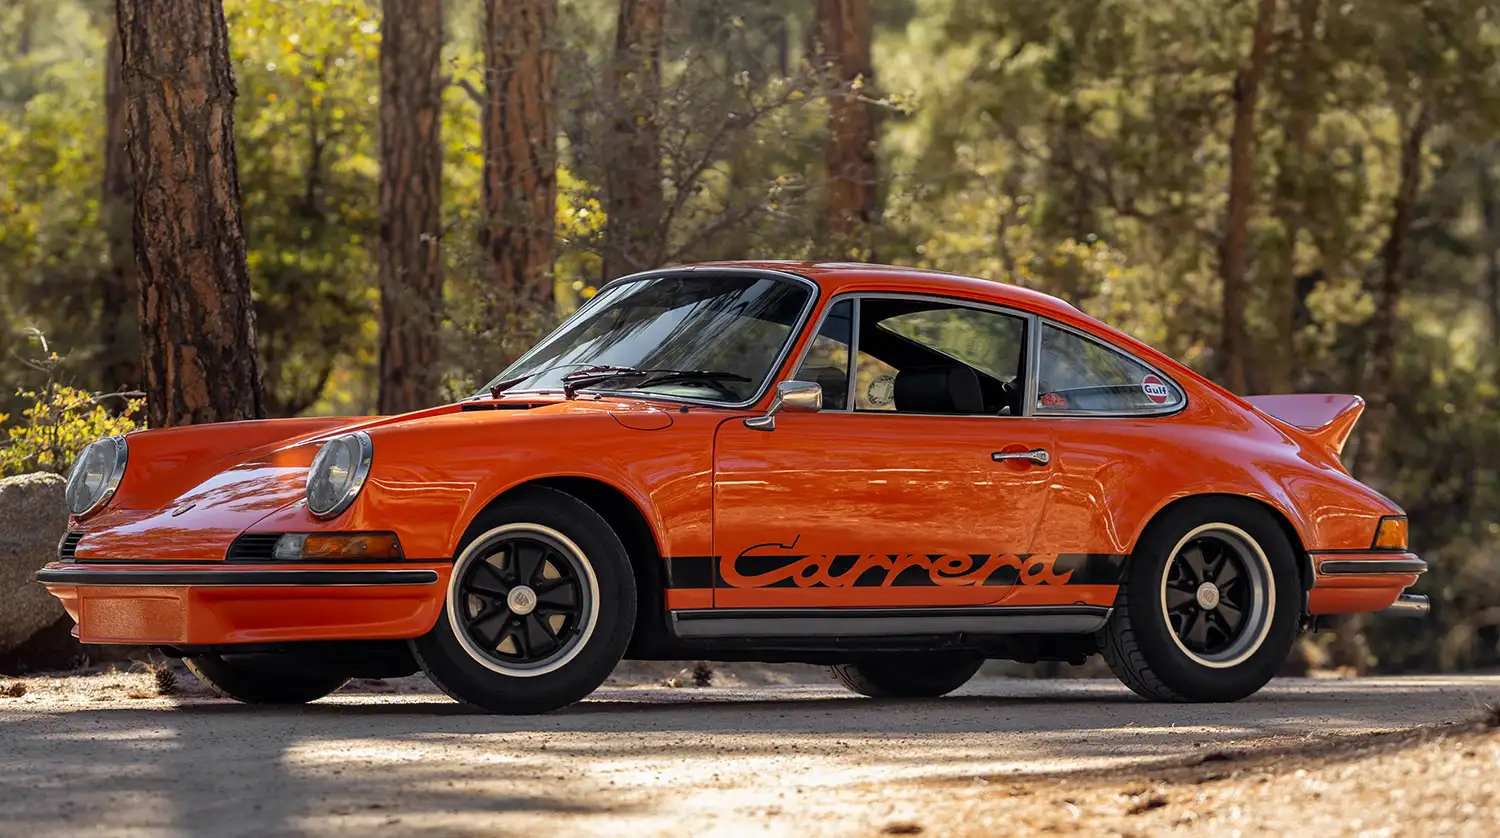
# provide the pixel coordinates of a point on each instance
(907, 676)
(1142, 645)
(469, 670)
(263, 679)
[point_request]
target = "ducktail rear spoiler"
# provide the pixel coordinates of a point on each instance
(1326, 417)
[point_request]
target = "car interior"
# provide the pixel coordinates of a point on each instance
(926, 379)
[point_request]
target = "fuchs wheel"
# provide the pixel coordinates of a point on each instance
(1209, 606)
(539, 609)
(907, 676)
(263, 679)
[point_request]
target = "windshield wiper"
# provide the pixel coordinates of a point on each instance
(575, 381)
(501, 386)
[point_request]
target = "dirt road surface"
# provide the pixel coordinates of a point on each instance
(999, 757)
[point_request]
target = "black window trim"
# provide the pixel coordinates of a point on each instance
(772, 375)
(1036, 371)
(1033, 328)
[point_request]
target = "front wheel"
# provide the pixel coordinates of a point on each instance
(907, 676)
(264, 679)
(540, 607)
(1209, 607)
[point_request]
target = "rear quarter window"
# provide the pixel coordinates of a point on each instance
(1079, 375)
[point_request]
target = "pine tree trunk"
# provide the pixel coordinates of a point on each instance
(633, 174)
(1241, 194)
(1304, 85)
(844, 35)
(197, 321)
(411, 174)
(520, 161)
(118, 294)
(1377, 391)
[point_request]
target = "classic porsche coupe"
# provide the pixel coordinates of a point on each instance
(893, 472)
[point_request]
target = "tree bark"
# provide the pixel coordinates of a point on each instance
(411, 174)
(1386, 324)
(197, 321)
(633, 175)
(119, 294)
(1304, 85)
(844, 36)
(520, 156)
(1241, 195)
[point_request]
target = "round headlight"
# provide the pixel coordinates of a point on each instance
(338, 473)
(96, 475)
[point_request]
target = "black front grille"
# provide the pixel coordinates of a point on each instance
(254, 546)
(68, 547)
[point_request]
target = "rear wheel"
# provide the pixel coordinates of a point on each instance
(1209, 607)
(540, 607)
(264, 679)
(907, 676)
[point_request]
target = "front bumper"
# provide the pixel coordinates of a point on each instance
(208, 603)
(1348, 582)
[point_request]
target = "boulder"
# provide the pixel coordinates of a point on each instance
(33, 518)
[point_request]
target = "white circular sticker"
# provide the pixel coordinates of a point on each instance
(882, 391)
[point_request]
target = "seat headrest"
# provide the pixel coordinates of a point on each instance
(834, 381)
(944, 389)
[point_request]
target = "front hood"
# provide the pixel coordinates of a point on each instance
(189, 492)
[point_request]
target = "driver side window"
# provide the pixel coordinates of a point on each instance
(930, 357)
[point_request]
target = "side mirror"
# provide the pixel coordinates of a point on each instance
(793, 397)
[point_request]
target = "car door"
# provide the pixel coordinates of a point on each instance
(920, 483)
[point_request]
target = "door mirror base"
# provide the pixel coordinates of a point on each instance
(792, 397)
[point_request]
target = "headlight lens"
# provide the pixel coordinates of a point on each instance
(96, 475)
(338, 473)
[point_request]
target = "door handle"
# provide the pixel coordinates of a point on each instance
(1036, 456)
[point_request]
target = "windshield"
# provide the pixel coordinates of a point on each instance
(737, 325)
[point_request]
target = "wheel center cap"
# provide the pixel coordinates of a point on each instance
(1208, 596)
(522, 600)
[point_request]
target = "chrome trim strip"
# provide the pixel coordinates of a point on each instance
(206, 578)
(1117, 414)
(772, 376)
(1371, 567)
(888, 622)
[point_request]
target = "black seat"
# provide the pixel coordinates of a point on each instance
(942, 389)
(834, 381)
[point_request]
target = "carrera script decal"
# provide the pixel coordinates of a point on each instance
(776, 565)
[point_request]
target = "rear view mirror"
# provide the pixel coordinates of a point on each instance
(793, 397)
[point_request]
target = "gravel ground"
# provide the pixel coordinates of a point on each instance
(766, 751)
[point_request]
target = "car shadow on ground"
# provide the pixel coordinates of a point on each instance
(374, 760)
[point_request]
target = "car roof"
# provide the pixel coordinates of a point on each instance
(835, 277)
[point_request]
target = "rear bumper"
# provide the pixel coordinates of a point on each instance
(1348, 582)
(150, 604)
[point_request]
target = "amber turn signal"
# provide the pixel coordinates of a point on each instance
(1391, 534)
(357, 545)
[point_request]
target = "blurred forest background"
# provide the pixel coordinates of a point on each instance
(1289, 195)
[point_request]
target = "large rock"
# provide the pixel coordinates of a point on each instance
(33, 518)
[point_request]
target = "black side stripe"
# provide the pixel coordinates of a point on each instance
(1082, 569)
(691, 571)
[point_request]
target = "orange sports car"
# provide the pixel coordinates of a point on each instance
(894, 472)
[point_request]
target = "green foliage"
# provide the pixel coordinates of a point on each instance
(57, 426)
(59, 421)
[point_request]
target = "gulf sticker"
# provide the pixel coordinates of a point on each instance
(1053, 400)
(1155, 389)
